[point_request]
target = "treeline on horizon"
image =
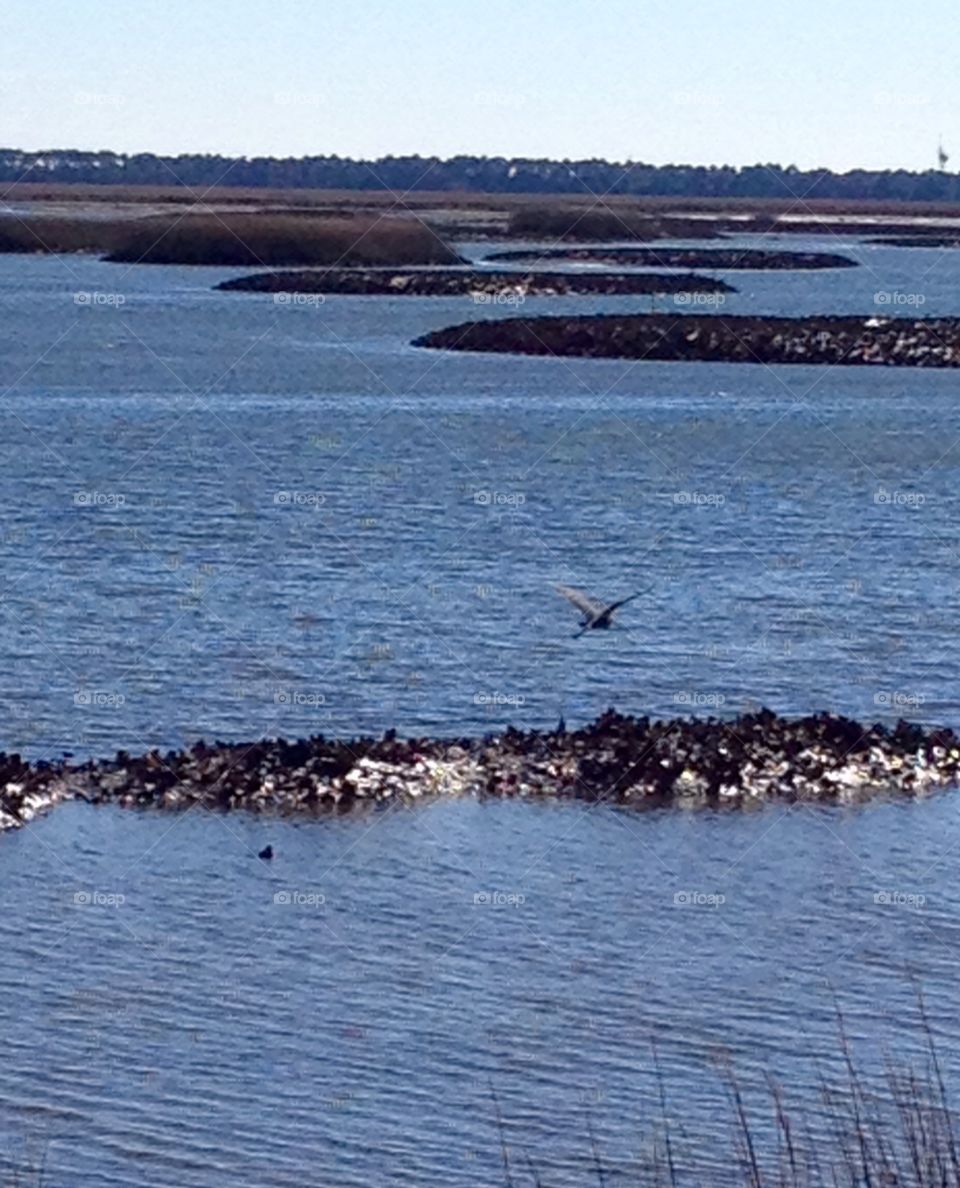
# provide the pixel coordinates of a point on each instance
(493, 175)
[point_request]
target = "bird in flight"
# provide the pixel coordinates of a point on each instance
(595, 614)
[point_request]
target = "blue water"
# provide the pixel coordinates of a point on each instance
(227, 518)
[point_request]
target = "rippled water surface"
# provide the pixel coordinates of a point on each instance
(224, 517)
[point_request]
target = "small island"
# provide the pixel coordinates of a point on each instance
(679, 257)
(918, 241)
(864, 341)
(619, 759)
(504, 286)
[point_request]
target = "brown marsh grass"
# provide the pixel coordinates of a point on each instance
(563, 222)
(232, 238)
(898, 1130)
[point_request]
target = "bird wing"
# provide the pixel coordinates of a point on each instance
(623, 601)
(583, 602)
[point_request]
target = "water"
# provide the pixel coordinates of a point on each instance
(224, 517)
(200, 1033)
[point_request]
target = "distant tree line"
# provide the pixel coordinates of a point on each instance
(493, 175)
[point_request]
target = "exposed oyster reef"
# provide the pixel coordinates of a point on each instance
(621, 760)
(746, 338)
(452, 282)
(677, 257)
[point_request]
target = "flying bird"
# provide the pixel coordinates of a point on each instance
(595, 614)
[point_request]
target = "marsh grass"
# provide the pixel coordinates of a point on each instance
(29, 1174)
(232, 238)
(37, 234)
(895, 1131)
(284, 239)
(567, 222)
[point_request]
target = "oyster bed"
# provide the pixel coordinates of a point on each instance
(921, 241)
(617, 759)
(674, 257)
(453, 282)
(855, 341)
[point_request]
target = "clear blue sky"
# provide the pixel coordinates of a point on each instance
(840, 83)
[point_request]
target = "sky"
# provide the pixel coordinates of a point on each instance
(837, 83)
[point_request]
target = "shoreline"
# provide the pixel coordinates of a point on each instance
(750, 760)
(872, 341)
